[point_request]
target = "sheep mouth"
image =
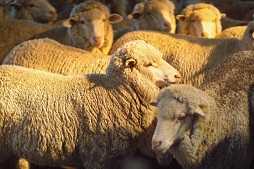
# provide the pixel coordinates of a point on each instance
(164, 83)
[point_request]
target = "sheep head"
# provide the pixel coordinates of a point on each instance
(180, 108)
(37, 10)
(142, 66)
(154, 15)
(89, 24)
(201, 20)
(248, 37)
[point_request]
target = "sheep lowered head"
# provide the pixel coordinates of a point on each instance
(142, 65)
(159, 14)
(201, 20)
(37, 10)
(180, 107)
(89, 22)
(248, 37)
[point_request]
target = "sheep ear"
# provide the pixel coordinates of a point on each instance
(69, 22)
(180, 17)
(223, 15)
(115, 18)
(199, 110)
(130, 63)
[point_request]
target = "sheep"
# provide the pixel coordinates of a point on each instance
(193, 57)
(233, 32)
(88, 27)
(150, 15)
(15, 31)
(49, 55)
(38, 10)
(201, 20)
(209, 128)
(81, 120)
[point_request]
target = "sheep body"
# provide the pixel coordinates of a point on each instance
(80, 120)
(49, 55)
(220, 139)
(13, 32)
(192, 56)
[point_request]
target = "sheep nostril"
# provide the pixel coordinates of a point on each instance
(167, 26)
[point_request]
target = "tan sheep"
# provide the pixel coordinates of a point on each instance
(82, 120)
(89, 27)
(49, 55)
(210, 129)
(192, 56)
(149, 15)
(233, 32)
(201, 20)
(37, 10)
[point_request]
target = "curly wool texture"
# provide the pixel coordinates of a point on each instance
(193, 57)
(13, 32)
(52, 119)
(223, 139)
(49, 55)
(228, 137)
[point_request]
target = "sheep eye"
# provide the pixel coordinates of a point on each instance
(82, 21)
(181, 117)
(31, 5)
(149, 64)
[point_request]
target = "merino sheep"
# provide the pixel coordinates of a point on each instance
(233, 32)
(88, 27)
(224, 137)
(49, 55)
(15, 31)
(201, 20)
(37, 10)
(192, 56)
(81, 120)
(150, 15)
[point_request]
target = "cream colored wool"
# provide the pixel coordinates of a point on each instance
(193, 57)
(83, 120)
(13, 32)
(233, 32)
(223, 138)
(49, 55)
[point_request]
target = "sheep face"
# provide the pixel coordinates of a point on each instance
(89, 28)
(37, 10)
(154, 15)
(142, 65)
(204, 22)
(178, 113)
(248, 38)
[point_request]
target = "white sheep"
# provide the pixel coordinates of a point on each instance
(209, 129)
(193, 57)
(82, 120)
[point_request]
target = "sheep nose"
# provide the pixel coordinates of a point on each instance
(96, 40)
(156, 144)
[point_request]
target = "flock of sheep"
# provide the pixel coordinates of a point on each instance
(118, 84)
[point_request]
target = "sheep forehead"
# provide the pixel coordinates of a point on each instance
(94, 14)
(163, 5)
(89, 6)
(139, 50)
